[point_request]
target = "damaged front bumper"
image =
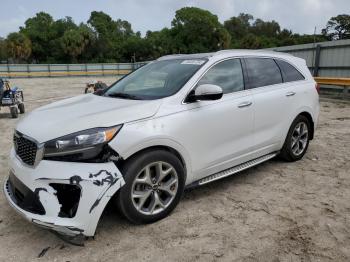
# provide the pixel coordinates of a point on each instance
(67, 197)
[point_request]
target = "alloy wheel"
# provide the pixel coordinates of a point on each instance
(299, 139)
(154, 188)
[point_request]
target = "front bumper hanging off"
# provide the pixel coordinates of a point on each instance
(67, 197)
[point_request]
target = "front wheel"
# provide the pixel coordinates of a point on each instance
(297, 140)
(154, 183)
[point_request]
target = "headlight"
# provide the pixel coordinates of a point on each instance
(87, 143)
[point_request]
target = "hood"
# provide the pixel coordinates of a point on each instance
(83, 112)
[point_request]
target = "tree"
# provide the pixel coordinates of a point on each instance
(338, 27)
(58, 29)
(250, 41)
(161, 43)
(110, 35)
(39, 30)
(104, 39)
(238, 26)
(197, 30)
(19, 47)
(3, 49)
(75, 41)
(267, 29)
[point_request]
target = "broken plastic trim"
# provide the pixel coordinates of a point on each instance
(68, 196)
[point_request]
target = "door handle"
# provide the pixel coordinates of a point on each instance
(244, 104)
(290, 93)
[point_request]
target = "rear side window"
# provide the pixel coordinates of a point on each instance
(263, 72)
(227, 74)
(289, 73)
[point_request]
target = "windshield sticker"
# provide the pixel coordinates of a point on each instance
(192, 62)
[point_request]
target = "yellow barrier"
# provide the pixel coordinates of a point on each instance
(66, 73)
(333, 81)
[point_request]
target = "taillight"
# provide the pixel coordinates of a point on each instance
(317, 86)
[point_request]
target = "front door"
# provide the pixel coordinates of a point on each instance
(221, 131)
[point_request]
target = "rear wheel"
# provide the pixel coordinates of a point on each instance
(297, 140)
(21, 108)
(154, 183)
(14, 111)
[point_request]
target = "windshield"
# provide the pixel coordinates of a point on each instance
(155, 80)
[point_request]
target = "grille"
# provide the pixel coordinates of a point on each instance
(25, 149)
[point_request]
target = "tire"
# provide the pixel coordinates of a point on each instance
(295, 145)
(14, 111)
(21, 108)
(148, 209)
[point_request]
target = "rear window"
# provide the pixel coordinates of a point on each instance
(289, 73)
(263, 72)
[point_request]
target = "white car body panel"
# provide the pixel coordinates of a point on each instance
(96, 190)
(83, 112)
(209, 136)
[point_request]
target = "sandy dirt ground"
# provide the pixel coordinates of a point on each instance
(276, 211)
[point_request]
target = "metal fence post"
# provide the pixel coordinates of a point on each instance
(68, 70)
(8, 70)
(86, 70)
(49, 69)
(317, 59)
(28, 71)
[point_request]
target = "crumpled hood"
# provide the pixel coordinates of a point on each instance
(83, 112)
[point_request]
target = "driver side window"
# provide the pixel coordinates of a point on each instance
(227, 74)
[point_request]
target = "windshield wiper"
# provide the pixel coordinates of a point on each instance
(123, 95)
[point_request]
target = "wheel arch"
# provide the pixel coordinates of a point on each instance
(159, 147)
(163, 144)
(311, 121)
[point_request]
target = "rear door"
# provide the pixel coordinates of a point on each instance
(272, 104)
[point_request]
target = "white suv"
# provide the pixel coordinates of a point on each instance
(180, 121)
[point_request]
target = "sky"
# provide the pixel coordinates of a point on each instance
(301, 16)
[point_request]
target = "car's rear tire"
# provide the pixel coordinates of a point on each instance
(14, 111)
(297, 140)
(21, 108)
(154, 183)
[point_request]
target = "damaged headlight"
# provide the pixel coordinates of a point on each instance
(82, 145)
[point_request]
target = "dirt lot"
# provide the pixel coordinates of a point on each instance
(274, 212)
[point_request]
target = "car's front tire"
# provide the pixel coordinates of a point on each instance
(297, 140)
(154, 183)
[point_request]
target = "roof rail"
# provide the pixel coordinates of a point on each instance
(251, 50)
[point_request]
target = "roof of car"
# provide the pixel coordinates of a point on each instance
(228, 52)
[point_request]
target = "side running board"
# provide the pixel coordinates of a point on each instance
(231, 171)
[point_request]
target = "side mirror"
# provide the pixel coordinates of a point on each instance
(205, 92)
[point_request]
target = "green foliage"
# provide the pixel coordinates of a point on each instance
(103, 39)
(110, 36)
(76, 41)
(39, 30)
(197, 30)
(19, 47)
(239, 26)
(338, 27)
(3, 49)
